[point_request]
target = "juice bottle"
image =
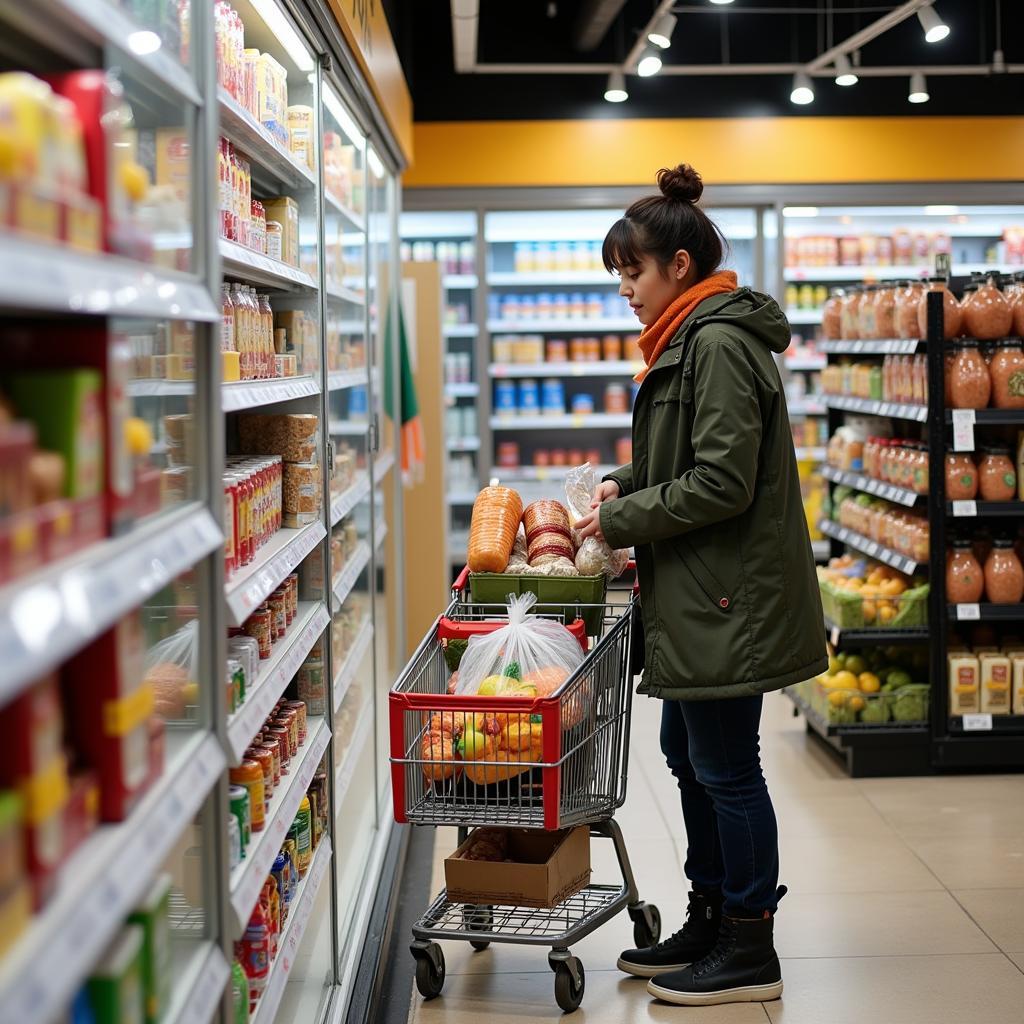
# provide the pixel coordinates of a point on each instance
(267, 334)
(255, 950)
(304, 835)
(227, 320)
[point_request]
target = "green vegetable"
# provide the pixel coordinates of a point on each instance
(514, 671)
(910, 704)
(453, 652)
(876, 712)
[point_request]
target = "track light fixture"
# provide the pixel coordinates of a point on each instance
(935, 29)
(661, 34)
(615, 90)
(803, 91)
(650, 63)
(918, 88)
(844, 71)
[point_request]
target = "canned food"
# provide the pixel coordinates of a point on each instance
(299, 707)
(238, 797)
(258, 626)
(278, 602)
(263, 757)
(508, 454)
(558, 350)
(611, 347)
(279, 735)
(250, 775)
(615, 400)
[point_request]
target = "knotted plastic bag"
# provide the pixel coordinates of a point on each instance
(593, 556)
(172, 668)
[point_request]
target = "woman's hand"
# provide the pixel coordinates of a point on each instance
(605, 491)
(590, 525)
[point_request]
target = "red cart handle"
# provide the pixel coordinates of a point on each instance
(460, 583)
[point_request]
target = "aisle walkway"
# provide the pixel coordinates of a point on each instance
(906, 901)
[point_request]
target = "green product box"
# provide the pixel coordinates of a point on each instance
(67, 408)
(116, 989)
(556, 595)
(153, 916)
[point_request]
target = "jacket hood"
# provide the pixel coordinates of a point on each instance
(754, 312)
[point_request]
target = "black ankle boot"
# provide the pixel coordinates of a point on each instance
(742, 968)
(692, 942)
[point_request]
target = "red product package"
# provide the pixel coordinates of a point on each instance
(109, 710)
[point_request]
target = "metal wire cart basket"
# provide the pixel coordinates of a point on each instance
(562, 763)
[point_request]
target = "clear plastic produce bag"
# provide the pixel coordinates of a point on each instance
(172, 668)
(593, 556)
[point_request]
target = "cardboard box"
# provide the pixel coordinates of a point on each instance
(543, 870)
(285, 211)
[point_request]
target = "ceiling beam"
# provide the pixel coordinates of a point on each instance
(711, 70)
(868, 33)
(592, 22)
(628, 66)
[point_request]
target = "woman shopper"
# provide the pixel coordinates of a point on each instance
(729, 599)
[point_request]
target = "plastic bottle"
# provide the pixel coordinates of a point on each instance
(304, 835)
(227, 320)
(239, 995)
(255, 948)
(267, 339)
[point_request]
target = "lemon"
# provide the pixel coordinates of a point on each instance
(869, 682)
(856, 664)
(837, 698)
(856, 703)
(844, 680)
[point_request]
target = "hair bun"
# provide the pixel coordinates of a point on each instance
(681, 182)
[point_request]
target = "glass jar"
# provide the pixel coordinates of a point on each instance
(1007, 374)
(965, 582)
(849, 316)
(920, 467)
(918, 380)
(831, 316)
(1004, 575)
(866, 312)
(961, 477)
(899, 471)
(970, 385)
(885, 460)
(920, 544)
(906, 387)
(885, 312)
(997, 478)
(988, 316)
(950, 309)
(908, 295)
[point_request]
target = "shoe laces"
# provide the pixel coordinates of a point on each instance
(722, 951)
(688, 926)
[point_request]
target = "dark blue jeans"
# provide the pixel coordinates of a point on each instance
(732, 838)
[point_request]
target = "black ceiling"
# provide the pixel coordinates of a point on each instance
(522, 31)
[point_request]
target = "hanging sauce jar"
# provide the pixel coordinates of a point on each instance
(988, 315)
(1004, 575)
(831, 316)
(961, 477)
(965, 581)
(885, 312)
(997, 478)
(970, 385)
(908, 298)
(1007, 374)
(950, 309)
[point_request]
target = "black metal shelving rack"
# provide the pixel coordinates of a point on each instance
(943, 744)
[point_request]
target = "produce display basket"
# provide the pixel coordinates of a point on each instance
(909, 704)
(561, 596)
(850, 609)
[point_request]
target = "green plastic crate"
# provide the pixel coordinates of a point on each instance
(556, 595)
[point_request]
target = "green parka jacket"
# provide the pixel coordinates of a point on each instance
(712, 502)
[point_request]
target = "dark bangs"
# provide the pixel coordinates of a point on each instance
(622, 246)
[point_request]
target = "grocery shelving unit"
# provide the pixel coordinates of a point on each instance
(172, 562)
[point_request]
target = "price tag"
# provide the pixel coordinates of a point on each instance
(872, 549)
(858, 346)
(963, 430)
(965, 508)
(970, 612)
(834, 636)
(977, 723)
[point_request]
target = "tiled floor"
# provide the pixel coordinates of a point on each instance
(906, 901)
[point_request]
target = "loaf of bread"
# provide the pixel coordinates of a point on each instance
(497, 512)
(548, 536)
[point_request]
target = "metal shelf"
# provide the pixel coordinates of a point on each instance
(198, 987)
(1005, 724)
(870, 547)
(459, 282)
(461, 497)
(384, 464)
(806, 407)
(460, 330)
(348, 575)
(804, 316)
(250, 586)
(462, 390)
(890, 273)
(985, 509)
(986, 612)
(805, 364)
(551, 279)
(102, 882)
(350, 758)
(821, 550)
(51, 278)
(356, 220)
(248, 877)
(897, 410)
(590, 421)
(274, 676)
(529, 473)
(294, 930)
(342, 294)
(346, 674)
(879, 346)
(238, 125)
(254, 268)
(47, 616)
(867, 484)
(811, 454)
(993, 417)
(251, 394)
(463, 444)
(604, 323)
(347, 500)
(340, 380)
(840, 637)
(612, 368)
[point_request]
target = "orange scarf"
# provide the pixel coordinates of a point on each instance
(655, 338)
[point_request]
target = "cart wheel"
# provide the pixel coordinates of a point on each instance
(430, 971)
(647, 926)
(479, 944)
(568, 994)
(478, 919)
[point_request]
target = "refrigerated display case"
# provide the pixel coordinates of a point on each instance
(178, 568)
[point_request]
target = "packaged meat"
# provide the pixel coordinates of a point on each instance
(497, 512)
(548, 536)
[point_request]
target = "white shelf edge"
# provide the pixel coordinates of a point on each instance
(54, 278)
(248, 877)
(564, 326)
(520, 474)
(244, 593)
(461, 497)
(588, 421)
(812, 454)
(348, 428)
(552, 278)
(355, 219)
(889, 273)
(261, 269)
(251, 394)
(380, 531)
(100, 885)
(345, 771)
(346, 674)
(343, 294)
(47, 616)
(868, 547)
(342, 584)
(339, 380)
(460, 330)
(612, 368)
(294, 931)
(343, 503)
(459, 282)
(384, 464)
(205, 988)
(463, 444)
(275, 675)
(463, 389)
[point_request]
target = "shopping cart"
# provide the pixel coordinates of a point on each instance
(573, 774)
